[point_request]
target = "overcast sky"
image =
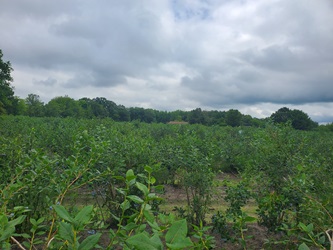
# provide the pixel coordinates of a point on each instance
(252, 55)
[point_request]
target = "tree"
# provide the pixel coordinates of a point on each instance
(109, 106)
(299, 119)
(123, 113)
(233, 118)
(63, 106)
(302, 121)
(21, 107)
(35, 107)
(8, 103)
(91, 109)
(282, 115)
(149, 116)
(162, 116)
(196, 116)
(179, 115)
(136, 113)
(216, 117)
(247, 120)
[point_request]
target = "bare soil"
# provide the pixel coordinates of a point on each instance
(176, 196)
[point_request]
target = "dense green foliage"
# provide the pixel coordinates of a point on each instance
(100, 107)
(76, 162)
(8, 103)
(299, 120)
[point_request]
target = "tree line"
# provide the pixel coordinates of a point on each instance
(100, 107)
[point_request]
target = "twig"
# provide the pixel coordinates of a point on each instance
(18, 243)
(329, 235)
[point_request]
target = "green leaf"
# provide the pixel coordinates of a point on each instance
(322, 239)
(152, 180)
(302, 226)
(40, 220)
(149, 217)
(142, 176)
(33, 221)
(26, 236)
(115, 217)
(38, 241)
(121, 191)
(25, 243)
(130, 175)
(90, 242)
(180, 244)
(9, 230)
(63, 214)
(142, 242)
(17, 221)
(142, 188)
(310, 227)
(125, 205)
(178, 230)
(155, 239)
(65, 232)
(249, 219)
(306, 239)
(141, 228)
(130, 226)
(148, 169)
(303, 246)
(21, 209)
(83, 217)
(159, 188)
(119, 178)
(154, 225)
(152, 196)
(135, 198)
(147, 207)
(3, 220)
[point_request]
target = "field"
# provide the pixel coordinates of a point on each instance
(84, 184)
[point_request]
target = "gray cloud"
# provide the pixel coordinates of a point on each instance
(275, 58)
(47, 82)
(174, 54)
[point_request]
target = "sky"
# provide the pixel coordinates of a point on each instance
(252, 55)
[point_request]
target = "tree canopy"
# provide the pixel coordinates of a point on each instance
(8, 103)
(233, 118)
(63, 106)
(299, 119)
(35, 107)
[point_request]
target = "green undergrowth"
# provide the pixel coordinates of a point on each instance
(66, 182)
